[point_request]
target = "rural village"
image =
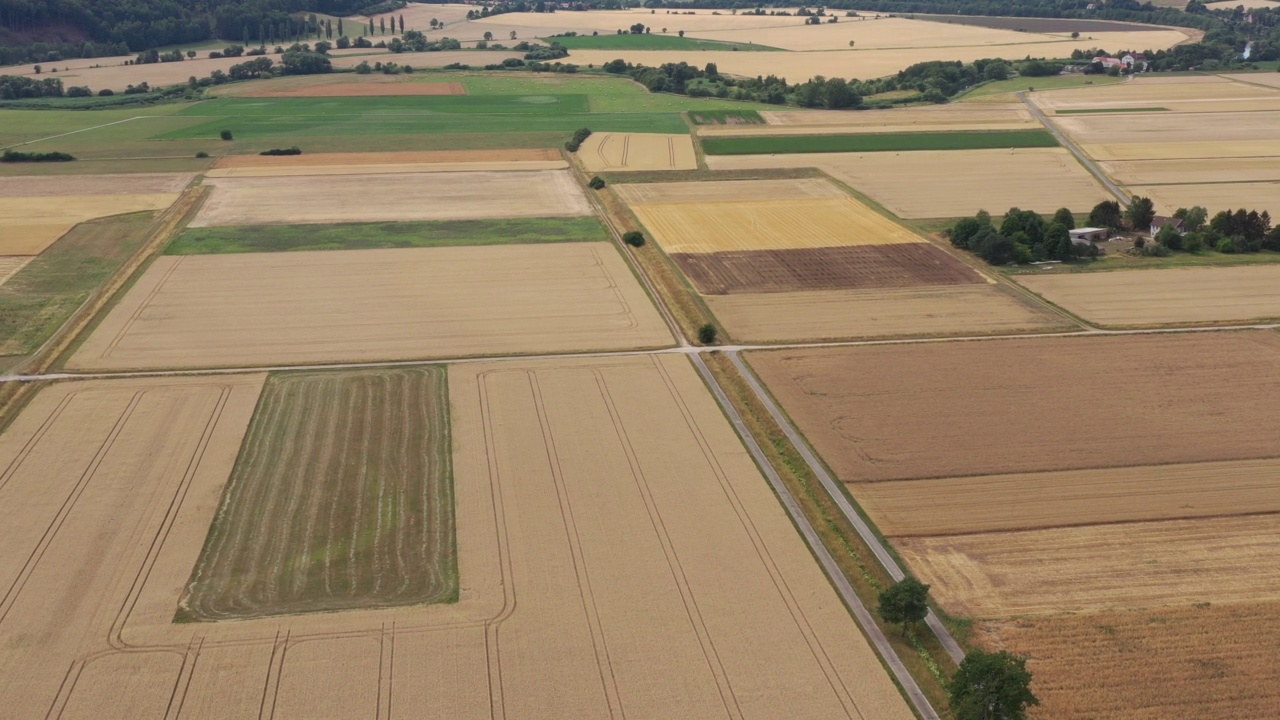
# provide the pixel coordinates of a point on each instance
(887, 359)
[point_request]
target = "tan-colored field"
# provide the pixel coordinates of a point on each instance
(1100, 567)
(11, 264)
(1170, 127)
(714, 191)
(1173, 662)
(967, 115)
(1268, 79)
(418, 16)
(872, 33)
(1220, 170)
(363, 89)
(1173, 295)
(326, 199)
(912, 411)
(1153, 91)
(922, 184)
(840, 314)
(614, 538)
(1247, 4)
(637, 151)
(32, 224)
(90, 185)
(389, 169)
(1206, 149)
(1024, 501)
(1220, 196)
(334, 306)
(423, 157)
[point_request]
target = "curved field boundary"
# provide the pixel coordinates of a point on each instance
(342, 498)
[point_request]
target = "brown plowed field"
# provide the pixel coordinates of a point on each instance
(1174, 295)
(613, 540)
(386, 158)
(842, 314)
(304, 528)
(363, 89)
(1024, 501)
(1173, 662)
(414, 303)
(423, 196)
(1101, 567)
(840, 268)
(934, 410)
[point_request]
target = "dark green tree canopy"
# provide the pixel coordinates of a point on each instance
(906, 603)
(992, 686)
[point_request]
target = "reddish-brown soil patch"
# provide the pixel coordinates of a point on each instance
(835, 268)
(374, 89)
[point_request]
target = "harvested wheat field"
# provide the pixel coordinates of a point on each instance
(387, 163)
(387, 304)
(1153, 91)
(843, 314)
(1024, 501)
(422, 196)
(362, 88)
(296, 502)
(968, 117)
(909, 411)
(34, 223)
(1184, 662)
(1253, 195)
(1165, 296)
(713, 191)
(637, 151)
(838, 268)
(1257, 79)
(1166, 172)
(602, 505)
(1100, 567)
(29, 186)
(1207, 149)
(1171, 127)
(11, 264)
(921, 184)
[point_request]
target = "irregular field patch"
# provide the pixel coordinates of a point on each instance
(358, 236)
(1024, 501)
(922, 184)
(1100, 567)
(842, 314)
(637, 151)
(843, 268)
(34, 223)
(1155, 297)
(879, 142)
(342, 499)
(374, 198)
(415, 303)
(911, 411)
(10, 264)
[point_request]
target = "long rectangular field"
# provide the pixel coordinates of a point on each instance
(933, 410)
(324, 307)
(879, 142)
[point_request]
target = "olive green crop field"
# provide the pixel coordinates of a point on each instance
(361, 236)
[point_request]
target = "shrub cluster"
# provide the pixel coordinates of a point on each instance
(295, 150)
(1023, 236)
(578, 137)
(11, 156)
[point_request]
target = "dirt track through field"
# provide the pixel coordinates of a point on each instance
(386, 304)
(844, 268)
(342, 499)
(1055, 403)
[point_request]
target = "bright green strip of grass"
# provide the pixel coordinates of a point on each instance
(1040, 83)
(360, 236)
(533, 103)
(878, 142)
(1111, 110)
(613, 41)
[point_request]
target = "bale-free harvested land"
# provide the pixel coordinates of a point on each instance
(362, 89)
(342, 499)
(839, 268)
(391, 197)
(843, 314)
(1166, 296)
(637, 151)
(333, 306)
(32, 224)
(927, 411)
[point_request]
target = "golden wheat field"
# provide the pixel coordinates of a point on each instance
(33, 223)
(330, 306)
(1024, 501)
(637, 151)
(1196, 151)
(1173, 172)
(1219, 196)
(386, 163)
(974, 117)
(1100, 567)
(1174, 295)
(1172, 127)
(922, 184)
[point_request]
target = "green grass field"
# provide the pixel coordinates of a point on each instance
(1039, 83)
(725, 117)
(650, 41)
(355, 236)
(878, 142)
(1092, 111)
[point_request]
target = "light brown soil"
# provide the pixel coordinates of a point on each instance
(385, 158)
(89, 185)
(1174, 295)
(1023, 405)
(11, 264)
(727, 191)
(847, 268)
(1174, 663)
(922, 184)
(841, 314)
(637, 151)
(1100, 567)
(424, 196)
(1220, 170)
(333, 306)
(1255, 196)
(304, 528)
(1168, 127)
(1023, 501)
(364, 89)
(32, 224)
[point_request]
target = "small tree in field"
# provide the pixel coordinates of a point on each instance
(992, 686)
(225, 135)
(707, 334)
(906, 603)
(597, 183)
(634, 238)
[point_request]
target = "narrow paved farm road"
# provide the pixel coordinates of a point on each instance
(1070, 144)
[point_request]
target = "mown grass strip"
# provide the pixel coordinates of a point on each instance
(878, 142)
(363, 236)
(1091, 111)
